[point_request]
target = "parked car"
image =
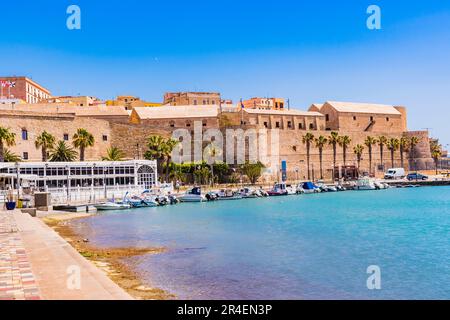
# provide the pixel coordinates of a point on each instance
(395, 173)
(416, 176)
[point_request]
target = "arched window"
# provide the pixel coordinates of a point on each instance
(146, 176)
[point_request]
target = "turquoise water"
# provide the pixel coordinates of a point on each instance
(296, 247)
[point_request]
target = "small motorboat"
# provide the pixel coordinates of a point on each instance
(307, 188)
(193, 195)
(365, 184)
(144, 200)
(279, 189)
(211, 196)
(109, 205)
(291, 190)
(249, 193)
(228, 195)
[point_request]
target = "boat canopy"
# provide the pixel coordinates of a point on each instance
(308, 186)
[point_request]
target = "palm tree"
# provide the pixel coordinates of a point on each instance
(252, 170)
(413, 142)
(113, 154)
(393, 145)
(155, 145)
(212, 151)
(436, 154)
(167, 149)
(8, 139)
(382, 140)
(46, 142)
(344, 142)
(11, 157)
(370, 142)
(308, 139)
(358, 150)
(404, 147)
(321, 142)
(62, 153)
(333, 140)
(82, 140)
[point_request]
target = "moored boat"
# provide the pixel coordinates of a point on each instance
(279, 189)
(112, 206)
(365, 183)
(193, 195)
(249, 193)
(307, 188)
(228, 195)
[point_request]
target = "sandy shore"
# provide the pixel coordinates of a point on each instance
(109, 260)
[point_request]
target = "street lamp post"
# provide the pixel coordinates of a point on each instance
(17, 180)
(68, 183)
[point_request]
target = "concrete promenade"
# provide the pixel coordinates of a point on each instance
(36, 263)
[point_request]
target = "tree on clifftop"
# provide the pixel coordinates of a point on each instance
(82, 140)
(46, 142)
(8, 139)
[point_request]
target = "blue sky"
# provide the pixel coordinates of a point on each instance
(307, 51)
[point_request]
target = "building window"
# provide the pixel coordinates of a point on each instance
(66, 137)
(105, 137)
(266, 125)
(289, 124)
(213, 102)
(188, 124)
(204, 123)
(300, 126)
(327, 117)
(195, 102)
(311, 126)
(281, 105)
(204, 102)
(371, 118)
(25, 156)
(387, 119)
(354, 118)
(277, 124)
(24, 134)
(172, 124)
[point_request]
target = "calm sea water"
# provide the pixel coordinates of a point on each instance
(297, 247)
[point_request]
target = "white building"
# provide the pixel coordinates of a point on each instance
(81, 177)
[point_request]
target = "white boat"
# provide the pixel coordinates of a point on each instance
(112, 206)
(193, 195)
(365, 184)
(291, 190)
(228, 195)
(249, 193)
(307, 188)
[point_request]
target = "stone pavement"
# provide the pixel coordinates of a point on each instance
(17, 281)
(36, 263)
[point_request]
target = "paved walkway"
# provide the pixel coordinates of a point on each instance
(17, 281)
(55, 265)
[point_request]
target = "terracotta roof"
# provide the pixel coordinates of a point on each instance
(316, 106)
(99, 110)
(352, 107)
(291, 112)
(177, 112)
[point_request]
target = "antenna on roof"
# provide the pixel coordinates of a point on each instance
(289, 104)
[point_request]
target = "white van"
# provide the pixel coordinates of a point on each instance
(395, 173)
